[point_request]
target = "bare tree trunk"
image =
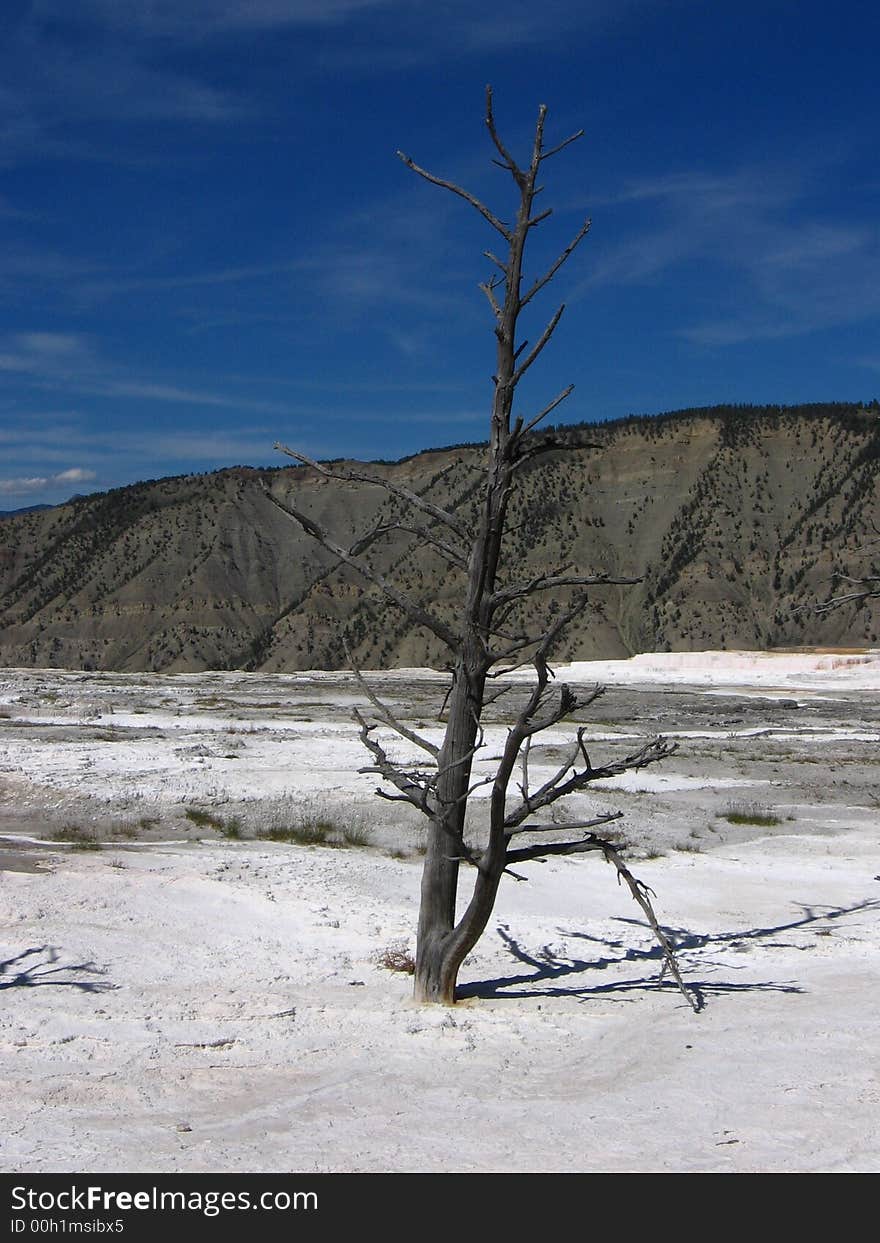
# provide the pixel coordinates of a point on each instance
(478, 640)
(438, 955)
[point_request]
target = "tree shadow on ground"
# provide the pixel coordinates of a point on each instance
(41, 965)
(547, 965)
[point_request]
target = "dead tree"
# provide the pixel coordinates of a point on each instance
(479, 641)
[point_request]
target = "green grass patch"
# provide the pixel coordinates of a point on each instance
(750, 813)
(79, 838)
(209, 820)
(355, 834)
(306, 833)
(309, 822)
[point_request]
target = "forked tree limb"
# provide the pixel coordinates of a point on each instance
(452, 554)
(387, 716)
(413, 610)
(396, 489)
(414, 787)
(651, 753)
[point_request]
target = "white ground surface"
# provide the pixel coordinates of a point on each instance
(189, 1004)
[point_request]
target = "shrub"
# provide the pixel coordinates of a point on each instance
(355, 834)
(310, 822)
(202, 819)
(79, 838)
(397, 957)
(306, 833)
(207, 819)
(750, 813)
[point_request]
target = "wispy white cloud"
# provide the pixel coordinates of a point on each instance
(52, 83)
(470, 27)
(118, 60)
(48, 354)
(52, 360)
(35, 484)
(197, 19)
(76, 474)
(186, 280)
(145, 390)
(24, 267)
(787, 272)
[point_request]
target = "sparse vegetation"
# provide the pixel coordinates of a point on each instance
(129, 832)
(79, 838)
(202, 819)
(306, 833)
(209, 820)
(316, 829)
(750, 813)
(354, 834)
(397, 957)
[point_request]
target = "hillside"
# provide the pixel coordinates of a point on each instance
(734, 518)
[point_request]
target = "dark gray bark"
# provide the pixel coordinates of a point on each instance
(477, 642)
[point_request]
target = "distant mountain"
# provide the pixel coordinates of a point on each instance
(25, 509)
(733, 517)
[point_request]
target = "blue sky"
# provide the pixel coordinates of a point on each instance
(207, 243)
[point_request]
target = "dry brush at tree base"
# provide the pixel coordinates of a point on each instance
(484, 639)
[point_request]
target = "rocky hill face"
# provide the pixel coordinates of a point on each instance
(733, 519)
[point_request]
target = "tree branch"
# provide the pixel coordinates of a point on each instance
(556, 828)
(557, 264)
(871, 591)
(541, 582)
(560, 146)
(637, 888)
(414, 787)
(536, 350)
(544, 850)
(451, 553)
(545, 640)
(387, 716)
(535, 220)
(414, 611)
(640, 893)
(396, 489)
(488, 288)
(508, 161)
(462, 193)
(551, 406)
(652, 751)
